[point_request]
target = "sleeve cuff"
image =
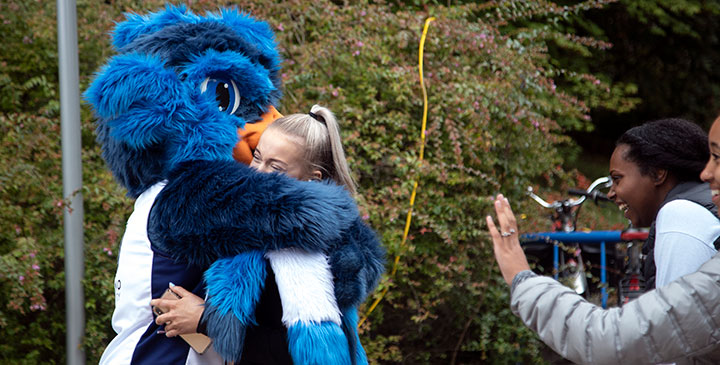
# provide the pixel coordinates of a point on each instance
(202, 324)
(520, 277)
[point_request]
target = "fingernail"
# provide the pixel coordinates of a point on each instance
(171, 284)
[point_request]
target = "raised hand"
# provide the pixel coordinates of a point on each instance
(508, 253)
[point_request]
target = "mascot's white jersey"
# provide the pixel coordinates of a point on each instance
(133, 291)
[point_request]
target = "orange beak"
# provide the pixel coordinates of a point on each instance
(250, 135)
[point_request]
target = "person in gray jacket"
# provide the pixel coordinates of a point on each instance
(677, 323)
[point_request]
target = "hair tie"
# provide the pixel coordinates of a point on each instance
(317, 117)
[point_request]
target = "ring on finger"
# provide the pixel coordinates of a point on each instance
(505, 234)
(511, 230)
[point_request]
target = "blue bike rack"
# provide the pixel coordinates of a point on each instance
(594, 237)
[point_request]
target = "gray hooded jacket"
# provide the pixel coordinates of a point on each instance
(677, 323)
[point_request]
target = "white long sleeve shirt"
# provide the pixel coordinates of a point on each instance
(684, 240)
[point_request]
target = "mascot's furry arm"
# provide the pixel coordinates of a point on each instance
(170, 107)
(229, 209)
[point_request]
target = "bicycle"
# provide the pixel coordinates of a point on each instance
(626, 264)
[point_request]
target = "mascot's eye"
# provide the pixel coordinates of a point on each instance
(226, 93)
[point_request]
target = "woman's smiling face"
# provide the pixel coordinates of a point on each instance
(634, 193)
(278, 152)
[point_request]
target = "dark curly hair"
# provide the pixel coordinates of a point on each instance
(675, 145)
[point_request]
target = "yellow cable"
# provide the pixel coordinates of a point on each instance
(415, 184)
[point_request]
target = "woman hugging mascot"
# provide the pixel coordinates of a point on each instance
(183, 100)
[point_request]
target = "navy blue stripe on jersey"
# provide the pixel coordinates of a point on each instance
(156, 348)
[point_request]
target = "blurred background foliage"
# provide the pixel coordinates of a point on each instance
(520, 93)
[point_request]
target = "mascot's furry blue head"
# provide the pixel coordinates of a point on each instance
(180, 88)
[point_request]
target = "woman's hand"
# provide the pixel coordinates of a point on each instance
(180, 316)
(508, 253)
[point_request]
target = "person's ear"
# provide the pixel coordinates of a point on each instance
(316, 175)
(660, 176)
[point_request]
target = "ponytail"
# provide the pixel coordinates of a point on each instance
(339, 170)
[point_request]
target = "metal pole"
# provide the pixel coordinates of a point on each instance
(72, 179)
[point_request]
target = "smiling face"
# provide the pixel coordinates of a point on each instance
(638, 196)
(711, 173)
(279, 152)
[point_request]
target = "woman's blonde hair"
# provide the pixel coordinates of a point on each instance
(320, 133)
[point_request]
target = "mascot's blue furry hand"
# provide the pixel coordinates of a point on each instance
(234, 287)
(357, 261)
(318, 343)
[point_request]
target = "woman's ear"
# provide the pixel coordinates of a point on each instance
(316, 175)
(660, 176)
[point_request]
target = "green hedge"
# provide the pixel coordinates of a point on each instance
(496, 123)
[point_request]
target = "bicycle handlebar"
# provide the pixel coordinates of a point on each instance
(595, 195)
(603, 182)
(540, 200)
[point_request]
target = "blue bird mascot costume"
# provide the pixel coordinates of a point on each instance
(175, 109)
